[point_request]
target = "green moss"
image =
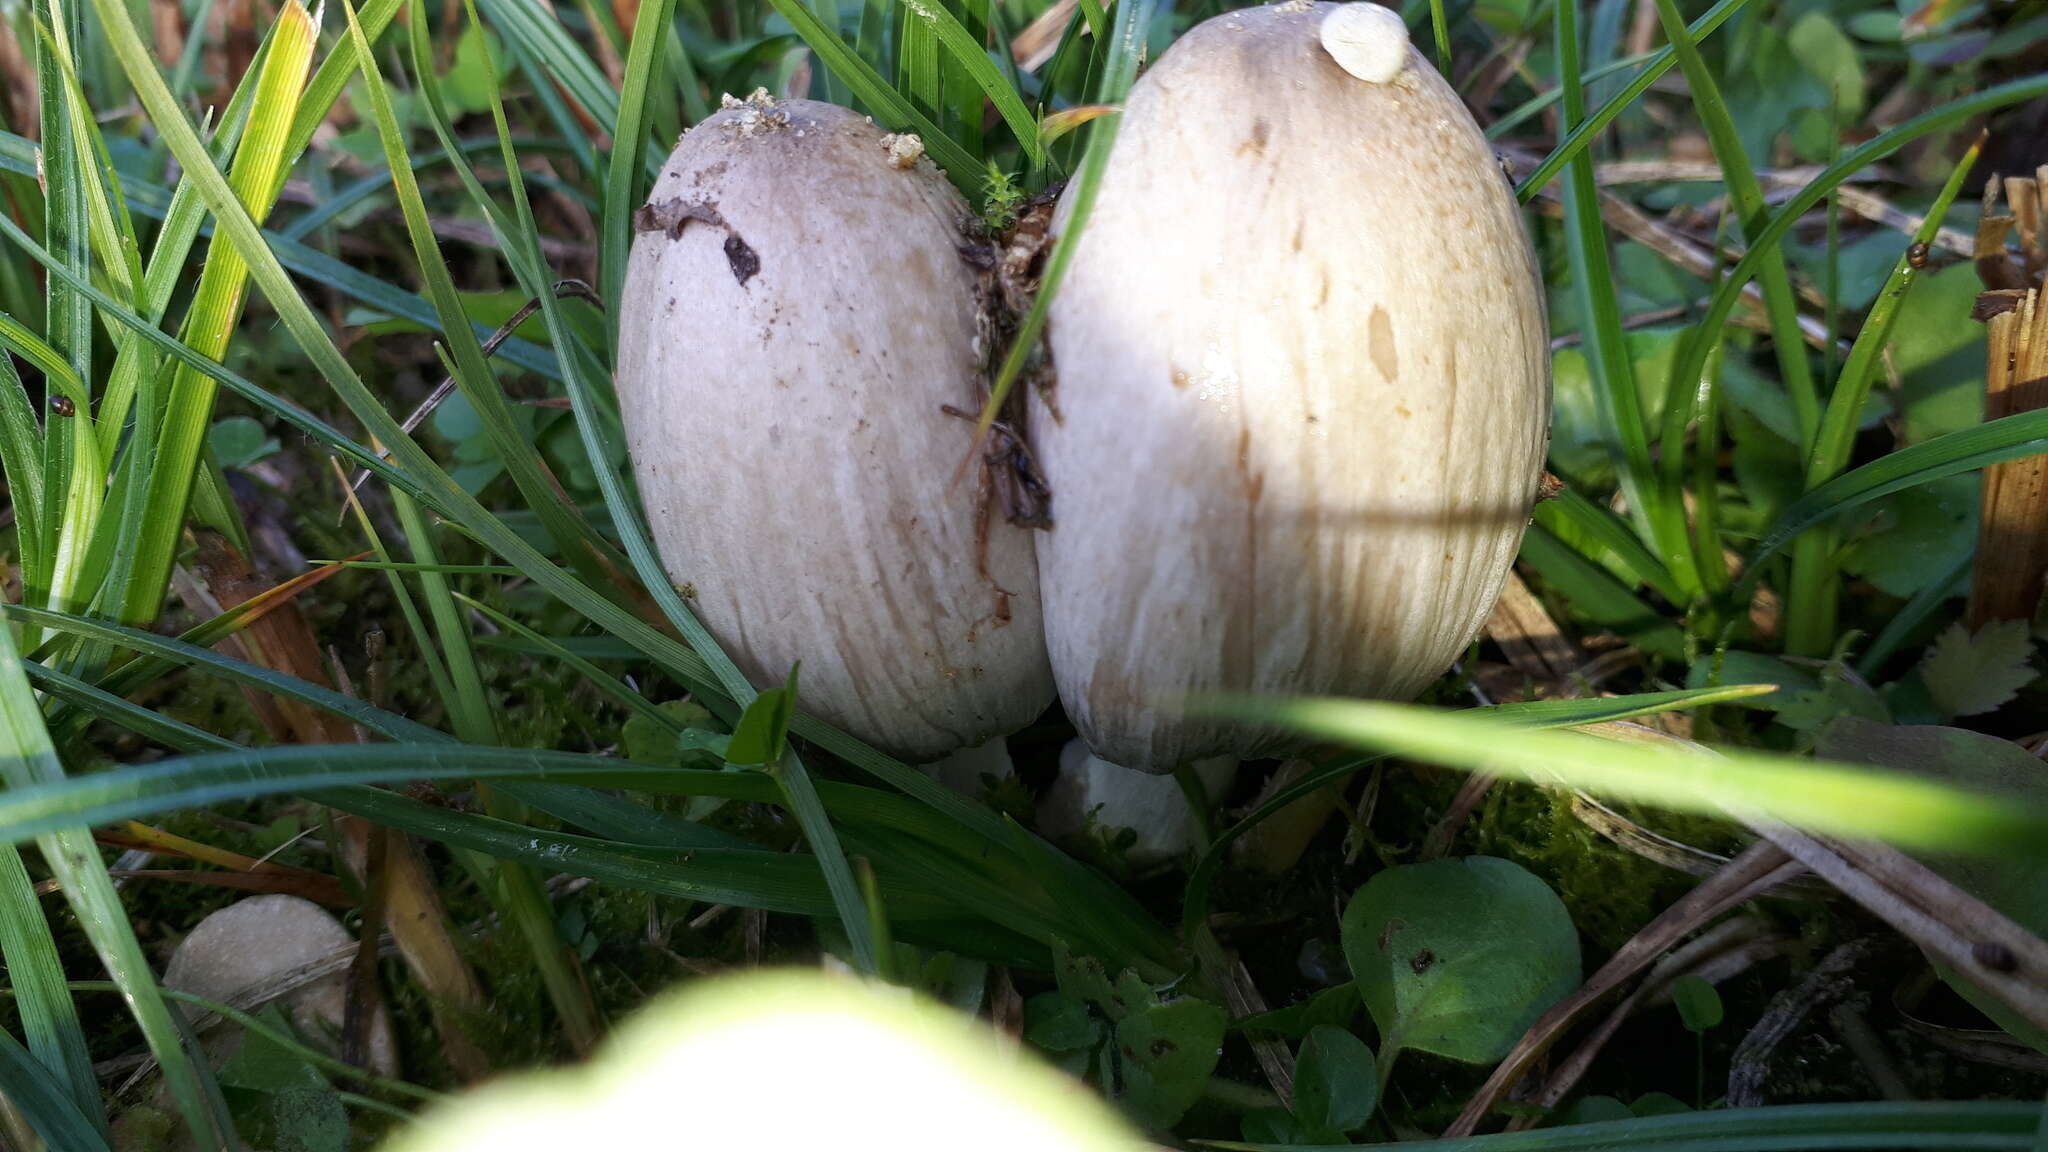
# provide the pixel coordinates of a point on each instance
(1611, 891)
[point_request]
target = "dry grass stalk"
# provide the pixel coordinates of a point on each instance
(2011, 567)
(282, 640)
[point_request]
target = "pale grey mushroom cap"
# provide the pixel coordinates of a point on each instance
(257, 939)
(797, 311)
(1303, 394)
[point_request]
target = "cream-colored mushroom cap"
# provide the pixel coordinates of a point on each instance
(1303, 388)
(797, 316)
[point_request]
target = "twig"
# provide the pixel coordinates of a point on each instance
(1868, 1047)
(1828, 982)
(1998, 956)
(1716, 955)
(1274, 1059)
(446, 388)
(1041, 38)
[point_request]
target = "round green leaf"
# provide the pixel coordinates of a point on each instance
(1459, 957)
(1336, 1082)
(1698, 1004)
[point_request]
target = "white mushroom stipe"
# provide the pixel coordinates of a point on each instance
(962, 771)
(1114, 797)
(1367, 40)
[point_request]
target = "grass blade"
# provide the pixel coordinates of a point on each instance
(28, 763)
(56, 1040)
(629, 143)
(1530, 714)
(1578, 139)
(1812, 1127)
(1810, 615)
(2012, 437)
(216, 306)
(1746, 196)
(1574, 512)
(1833, 798)
(1692, 354)
(973, 60)
(41, 1098)
(1598, 597)
(575, 538)
(1607, 359)
(871, 90)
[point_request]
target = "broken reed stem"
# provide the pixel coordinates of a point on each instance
(2011, 565)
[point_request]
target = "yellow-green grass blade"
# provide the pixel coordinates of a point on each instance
(216, 307)
(183, 216)
(1838, 799)
(1334, 768)
(329, 80)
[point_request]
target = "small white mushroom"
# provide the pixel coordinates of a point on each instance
(1091, 790)
(798, 318)
(1367, 40)
(258, 939)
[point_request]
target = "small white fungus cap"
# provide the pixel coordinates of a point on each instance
(1367, 40)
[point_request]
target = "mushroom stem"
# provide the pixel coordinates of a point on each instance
(1167, 814)
(967, 770)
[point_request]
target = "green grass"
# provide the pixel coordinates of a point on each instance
(177, 271)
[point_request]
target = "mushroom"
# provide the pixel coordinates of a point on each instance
(263, 937)
(1093, 792)
(1304, 386)
(798, 328)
